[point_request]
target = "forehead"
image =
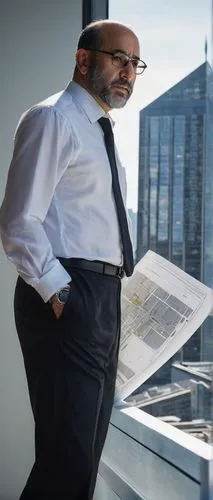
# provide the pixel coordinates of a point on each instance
(120, 38)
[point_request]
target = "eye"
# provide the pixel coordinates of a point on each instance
(119, 59)
(135, 63)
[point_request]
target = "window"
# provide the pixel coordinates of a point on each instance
(168, 154)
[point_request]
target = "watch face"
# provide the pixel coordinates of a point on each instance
(63, 296)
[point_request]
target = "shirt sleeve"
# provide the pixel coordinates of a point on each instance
(42, 149)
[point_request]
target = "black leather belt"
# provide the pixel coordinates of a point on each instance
(93, 265)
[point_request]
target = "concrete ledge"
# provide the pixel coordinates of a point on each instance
(145, 458)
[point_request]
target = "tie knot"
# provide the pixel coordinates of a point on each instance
(105, 125)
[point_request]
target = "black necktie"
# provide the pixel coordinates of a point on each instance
(121, 213)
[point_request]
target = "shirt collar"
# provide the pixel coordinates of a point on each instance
(88, 103)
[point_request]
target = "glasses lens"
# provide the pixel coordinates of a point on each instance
(140, 68)
(120, 60)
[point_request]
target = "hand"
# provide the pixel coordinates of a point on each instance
(58, 309)
(58, 300)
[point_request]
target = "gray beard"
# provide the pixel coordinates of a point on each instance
(98, 88)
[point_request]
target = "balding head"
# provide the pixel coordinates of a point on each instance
(96, 33)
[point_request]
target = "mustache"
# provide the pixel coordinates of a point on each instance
(124, 83)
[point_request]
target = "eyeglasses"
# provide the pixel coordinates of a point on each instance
(121, 60)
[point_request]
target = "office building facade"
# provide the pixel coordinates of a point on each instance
(173, 183)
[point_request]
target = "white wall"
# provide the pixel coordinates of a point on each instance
(37, 46)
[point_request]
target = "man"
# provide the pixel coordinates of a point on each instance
(63, 225)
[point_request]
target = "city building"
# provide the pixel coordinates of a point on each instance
(207, 327)
(174, 190)
(200, 371)
(186, 400)
(166, 400)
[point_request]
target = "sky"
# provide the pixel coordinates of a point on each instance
(172, 40)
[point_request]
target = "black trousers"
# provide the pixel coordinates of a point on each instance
(71, 368)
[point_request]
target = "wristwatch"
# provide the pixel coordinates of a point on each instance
(61, 296)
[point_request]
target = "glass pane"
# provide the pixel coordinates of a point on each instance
(164, 136)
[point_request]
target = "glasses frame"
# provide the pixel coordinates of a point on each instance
(129, 59)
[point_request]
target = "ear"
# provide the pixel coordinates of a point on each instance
(82, 60)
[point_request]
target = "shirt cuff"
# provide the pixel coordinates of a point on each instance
(51, 282)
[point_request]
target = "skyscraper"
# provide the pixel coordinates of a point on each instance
(172, 180)
(207, 328)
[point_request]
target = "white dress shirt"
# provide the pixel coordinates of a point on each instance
(58, 199)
